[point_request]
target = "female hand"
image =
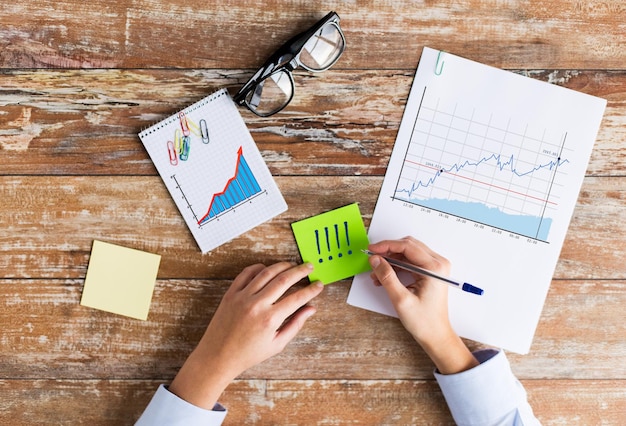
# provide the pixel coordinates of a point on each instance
(422, 305)
(254, 321)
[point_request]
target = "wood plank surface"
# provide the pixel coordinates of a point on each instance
(577, 330)
(340, 122)
(138, 212)
(188, 34)
(79, 80)
(288, 402)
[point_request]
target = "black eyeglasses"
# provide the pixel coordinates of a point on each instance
(271, 88)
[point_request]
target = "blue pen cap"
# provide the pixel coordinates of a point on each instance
(472, 289)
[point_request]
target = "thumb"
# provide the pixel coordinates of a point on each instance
(388, 278)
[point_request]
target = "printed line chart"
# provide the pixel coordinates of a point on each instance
(486, 170)
(482, 167)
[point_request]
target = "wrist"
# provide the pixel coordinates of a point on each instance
(200, 381)
(449, 353)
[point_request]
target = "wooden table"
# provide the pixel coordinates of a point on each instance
(80, 79)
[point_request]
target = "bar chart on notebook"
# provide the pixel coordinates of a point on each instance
(242, 187)
(213, 170)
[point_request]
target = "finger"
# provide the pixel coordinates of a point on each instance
(286, 279)
(265, 276)
(375, 279)
(296, 300)
(293, 325)
(422, 246)
(245, 276)
(404, 246)
(389, 280)
(426, 248)
(414, 251)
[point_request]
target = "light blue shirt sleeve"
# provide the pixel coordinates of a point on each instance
(165, 408)
(488, 394)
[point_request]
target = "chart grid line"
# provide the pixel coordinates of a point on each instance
(456, 161)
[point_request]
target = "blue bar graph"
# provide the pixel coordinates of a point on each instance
(241, 187)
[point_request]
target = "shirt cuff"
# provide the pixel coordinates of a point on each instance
(485, 394)
(165, 408)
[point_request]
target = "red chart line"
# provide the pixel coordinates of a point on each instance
(240, 187)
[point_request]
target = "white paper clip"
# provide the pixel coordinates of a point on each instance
(204, 131)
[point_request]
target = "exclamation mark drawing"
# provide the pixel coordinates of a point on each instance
(317, 239)
(330, 257)
(345, 225)
(329, 241)
(340, 254)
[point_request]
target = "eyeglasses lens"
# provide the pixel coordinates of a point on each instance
(271, 94)
(320, 52)
(323, 48)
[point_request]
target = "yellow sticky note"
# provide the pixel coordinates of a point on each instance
(120, 280)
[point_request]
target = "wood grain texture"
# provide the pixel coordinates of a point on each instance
(46, 333)
(79, 80)
(288, 402)
(213, 34)
(49, 223)
(339, 123)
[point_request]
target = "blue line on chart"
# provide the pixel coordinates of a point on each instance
(499, 163)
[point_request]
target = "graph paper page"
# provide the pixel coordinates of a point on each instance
(213, 170)
(486, 170)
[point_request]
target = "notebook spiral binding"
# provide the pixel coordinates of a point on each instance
(174, 117)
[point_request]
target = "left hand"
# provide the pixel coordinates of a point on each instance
(254, 321)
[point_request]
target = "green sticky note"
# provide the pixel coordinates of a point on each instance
(120, 280)
(332, 242)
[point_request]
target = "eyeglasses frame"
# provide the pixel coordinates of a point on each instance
(287, 58)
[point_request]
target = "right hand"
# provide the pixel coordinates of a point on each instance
(422, 306)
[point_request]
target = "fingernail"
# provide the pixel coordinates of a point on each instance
(318, 284)
(374, 261)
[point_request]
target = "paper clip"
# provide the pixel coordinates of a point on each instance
(184, 153)
(204, 131)
(178, 141)
(171, 151)
(193, 127)
(439, 64)
(184, 125)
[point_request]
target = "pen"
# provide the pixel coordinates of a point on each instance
(412, 268)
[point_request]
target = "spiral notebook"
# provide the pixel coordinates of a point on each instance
(213, 170)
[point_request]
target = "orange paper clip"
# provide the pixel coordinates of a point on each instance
(184, 125)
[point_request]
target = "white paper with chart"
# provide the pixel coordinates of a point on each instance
(486, 170)
(213, 170)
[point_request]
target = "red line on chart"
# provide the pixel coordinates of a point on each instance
(240, 187)
(481, 182)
